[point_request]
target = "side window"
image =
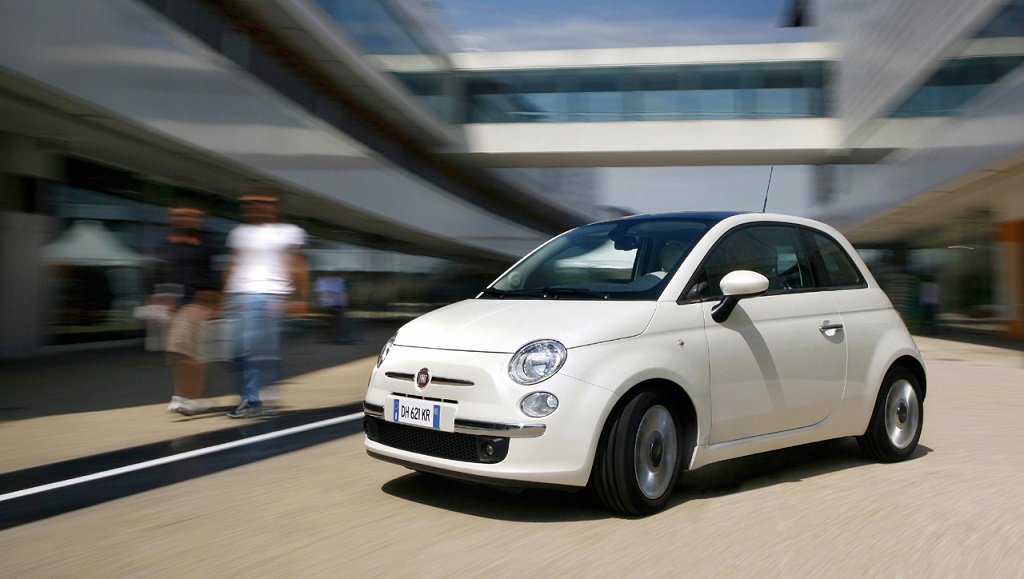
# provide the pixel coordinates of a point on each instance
(774, 251)
(840, 269)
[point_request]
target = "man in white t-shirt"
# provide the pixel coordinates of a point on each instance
(266, 272)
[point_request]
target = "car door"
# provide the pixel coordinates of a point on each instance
(779, 361)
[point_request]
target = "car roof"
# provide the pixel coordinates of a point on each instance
(712, 216)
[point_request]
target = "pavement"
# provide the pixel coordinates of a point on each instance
(72, 403)
(76, 403)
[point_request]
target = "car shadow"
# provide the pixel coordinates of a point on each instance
(788, 465)
(715, 480)
(516, 505)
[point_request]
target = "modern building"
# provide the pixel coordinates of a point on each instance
(112, 109)
(945, 78)
(404, 158)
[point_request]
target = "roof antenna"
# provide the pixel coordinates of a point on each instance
(765, 206)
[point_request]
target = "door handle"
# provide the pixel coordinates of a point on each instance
(833, 328)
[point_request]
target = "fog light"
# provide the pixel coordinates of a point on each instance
(491, 449)
(539, 404)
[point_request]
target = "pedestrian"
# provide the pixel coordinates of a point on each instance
(266, 271)
(186, 285)
(930, 298)
(332, 294)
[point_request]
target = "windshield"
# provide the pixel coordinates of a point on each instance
(631, 259)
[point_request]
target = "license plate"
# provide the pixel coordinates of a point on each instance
(422, 413)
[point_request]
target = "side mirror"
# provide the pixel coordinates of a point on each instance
(737, 285)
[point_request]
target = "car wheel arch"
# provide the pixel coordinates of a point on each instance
(889, 349)
(680, 402)
(916, 368)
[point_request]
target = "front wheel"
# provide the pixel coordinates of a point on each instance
(638, 459)
(896, 422)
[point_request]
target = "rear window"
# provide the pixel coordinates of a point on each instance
(839, 268)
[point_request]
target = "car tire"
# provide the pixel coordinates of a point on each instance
(898, 417)
(638, 459)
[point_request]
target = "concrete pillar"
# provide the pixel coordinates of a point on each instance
(26, 168)
(22, 283)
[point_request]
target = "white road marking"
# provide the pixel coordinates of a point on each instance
(180, 456)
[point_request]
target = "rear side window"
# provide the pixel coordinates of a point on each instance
(839, 268)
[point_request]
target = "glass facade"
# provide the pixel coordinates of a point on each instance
(979, 63)
(382, 31)
(1008, 23)
(649, 93)
(954, 85)
(432, 88)
(101, 261)
(947, 281)
(103, 253)
(636, 93)
(376, 27)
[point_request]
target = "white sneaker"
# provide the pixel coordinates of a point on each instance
(175, 404)
(188, 407)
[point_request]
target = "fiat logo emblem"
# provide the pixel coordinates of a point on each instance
(422, 378)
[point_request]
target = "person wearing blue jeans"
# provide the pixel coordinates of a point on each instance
(257, 319)
(266, 274)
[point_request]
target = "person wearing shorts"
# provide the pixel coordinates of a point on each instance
(186, 264)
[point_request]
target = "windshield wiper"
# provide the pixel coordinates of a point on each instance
(547, 292)
(573, 291)
(521, 292)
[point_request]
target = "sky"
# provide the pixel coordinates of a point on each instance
(658, 189)
(498, 25)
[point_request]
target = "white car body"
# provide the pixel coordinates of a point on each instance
(786, 368)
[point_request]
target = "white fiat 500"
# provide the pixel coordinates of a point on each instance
(620, 353)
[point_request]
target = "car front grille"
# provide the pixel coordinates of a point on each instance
(449, 445)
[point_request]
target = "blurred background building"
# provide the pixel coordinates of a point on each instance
(421, 172)
(941, 84)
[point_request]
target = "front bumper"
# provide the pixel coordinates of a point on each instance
(492, 440)
(477, 427)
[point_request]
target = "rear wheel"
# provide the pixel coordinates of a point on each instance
(897, 420)
(638, 459)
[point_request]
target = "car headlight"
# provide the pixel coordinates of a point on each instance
(536, 362)
(386, 350)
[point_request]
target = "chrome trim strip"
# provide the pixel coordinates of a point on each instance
(451, 382)
(503, 429)
(477, 427)
(433, 380)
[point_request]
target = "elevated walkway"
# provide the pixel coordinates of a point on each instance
(664, 143)
(758, 104)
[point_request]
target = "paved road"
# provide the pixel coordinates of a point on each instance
(955, 510)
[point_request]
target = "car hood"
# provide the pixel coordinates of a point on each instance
(506, 325)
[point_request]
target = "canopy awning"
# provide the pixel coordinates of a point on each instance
(89, 243)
